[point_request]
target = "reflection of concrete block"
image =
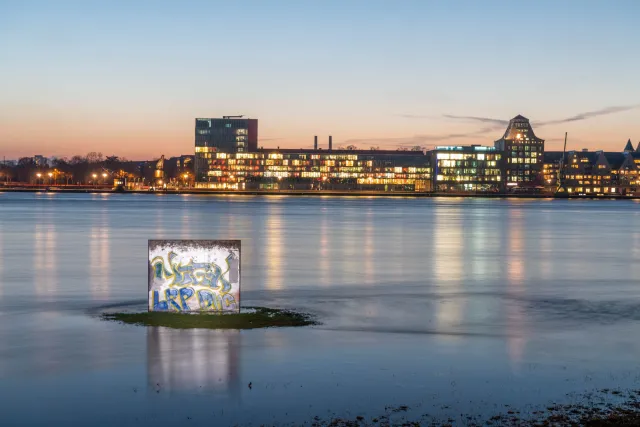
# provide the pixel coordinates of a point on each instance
(234, 270)
(194, 275)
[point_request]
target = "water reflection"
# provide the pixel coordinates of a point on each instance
(448, 266)
(190, 360)
(99, 257)
(1, 260)
(324, 249)
(369, 246)
(515, 289)
(45, 253)
(274, 247)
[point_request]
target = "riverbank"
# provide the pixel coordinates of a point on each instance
(321, 193)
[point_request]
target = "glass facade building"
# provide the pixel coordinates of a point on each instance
(225, 135)
(466, 169)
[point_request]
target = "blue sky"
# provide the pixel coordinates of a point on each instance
(129, 77)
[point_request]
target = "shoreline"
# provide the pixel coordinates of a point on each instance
(316, 193)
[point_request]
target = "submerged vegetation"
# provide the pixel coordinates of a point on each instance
(257, 317)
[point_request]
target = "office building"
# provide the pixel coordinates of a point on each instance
(358, 170)
(523, 155)
(230, 134)
(466, 169)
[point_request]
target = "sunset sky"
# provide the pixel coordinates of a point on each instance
(128, 77)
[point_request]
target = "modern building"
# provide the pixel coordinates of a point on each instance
(523, 154)
(466, 169)
(358, 170)
(230, 134)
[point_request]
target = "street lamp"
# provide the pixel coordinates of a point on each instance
(104, 177)
(50, 177)
(38, 175)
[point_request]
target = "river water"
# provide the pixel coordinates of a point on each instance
(448, 306)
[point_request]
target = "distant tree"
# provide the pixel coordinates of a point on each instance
(375, 148)
(26, 161)
(76, 160)
(60, 162)
(94, 157)
(351, 147)
(417, 148)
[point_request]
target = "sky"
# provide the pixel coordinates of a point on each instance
(128, 77)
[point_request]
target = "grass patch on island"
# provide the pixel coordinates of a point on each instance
(259, 317)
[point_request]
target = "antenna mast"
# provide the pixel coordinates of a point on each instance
(561, 168)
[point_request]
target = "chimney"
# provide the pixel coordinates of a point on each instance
(315, 142)
(330, 143)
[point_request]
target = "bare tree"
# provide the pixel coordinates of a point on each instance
(94, 157)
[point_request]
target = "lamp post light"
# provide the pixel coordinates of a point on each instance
(95, 175)
(39, 175)
(50, 178)
(104, 177)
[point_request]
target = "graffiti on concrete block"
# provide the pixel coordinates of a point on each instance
(194, 275)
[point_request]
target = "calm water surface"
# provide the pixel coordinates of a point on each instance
(445, 305)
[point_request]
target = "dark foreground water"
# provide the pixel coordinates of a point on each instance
(448, 306)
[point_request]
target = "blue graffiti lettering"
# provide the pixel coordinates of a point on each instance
(185, 294)
(157, 304)
(171, 295)
(229, 301)
(209, 300)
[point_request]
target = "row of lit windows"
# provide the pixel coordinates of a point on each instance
(463, 163)
(521, 160)
(467, 178)
(215, 166)
(451, 171)
(591, 190)
(467, 156)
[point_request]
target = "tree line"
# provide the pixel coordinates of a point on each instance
(92, 168)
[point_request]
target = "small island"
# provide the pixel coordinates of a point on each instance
(252, 318)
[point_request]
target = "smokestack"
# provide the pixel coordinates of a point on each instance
(330, 143)
(315, 142)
